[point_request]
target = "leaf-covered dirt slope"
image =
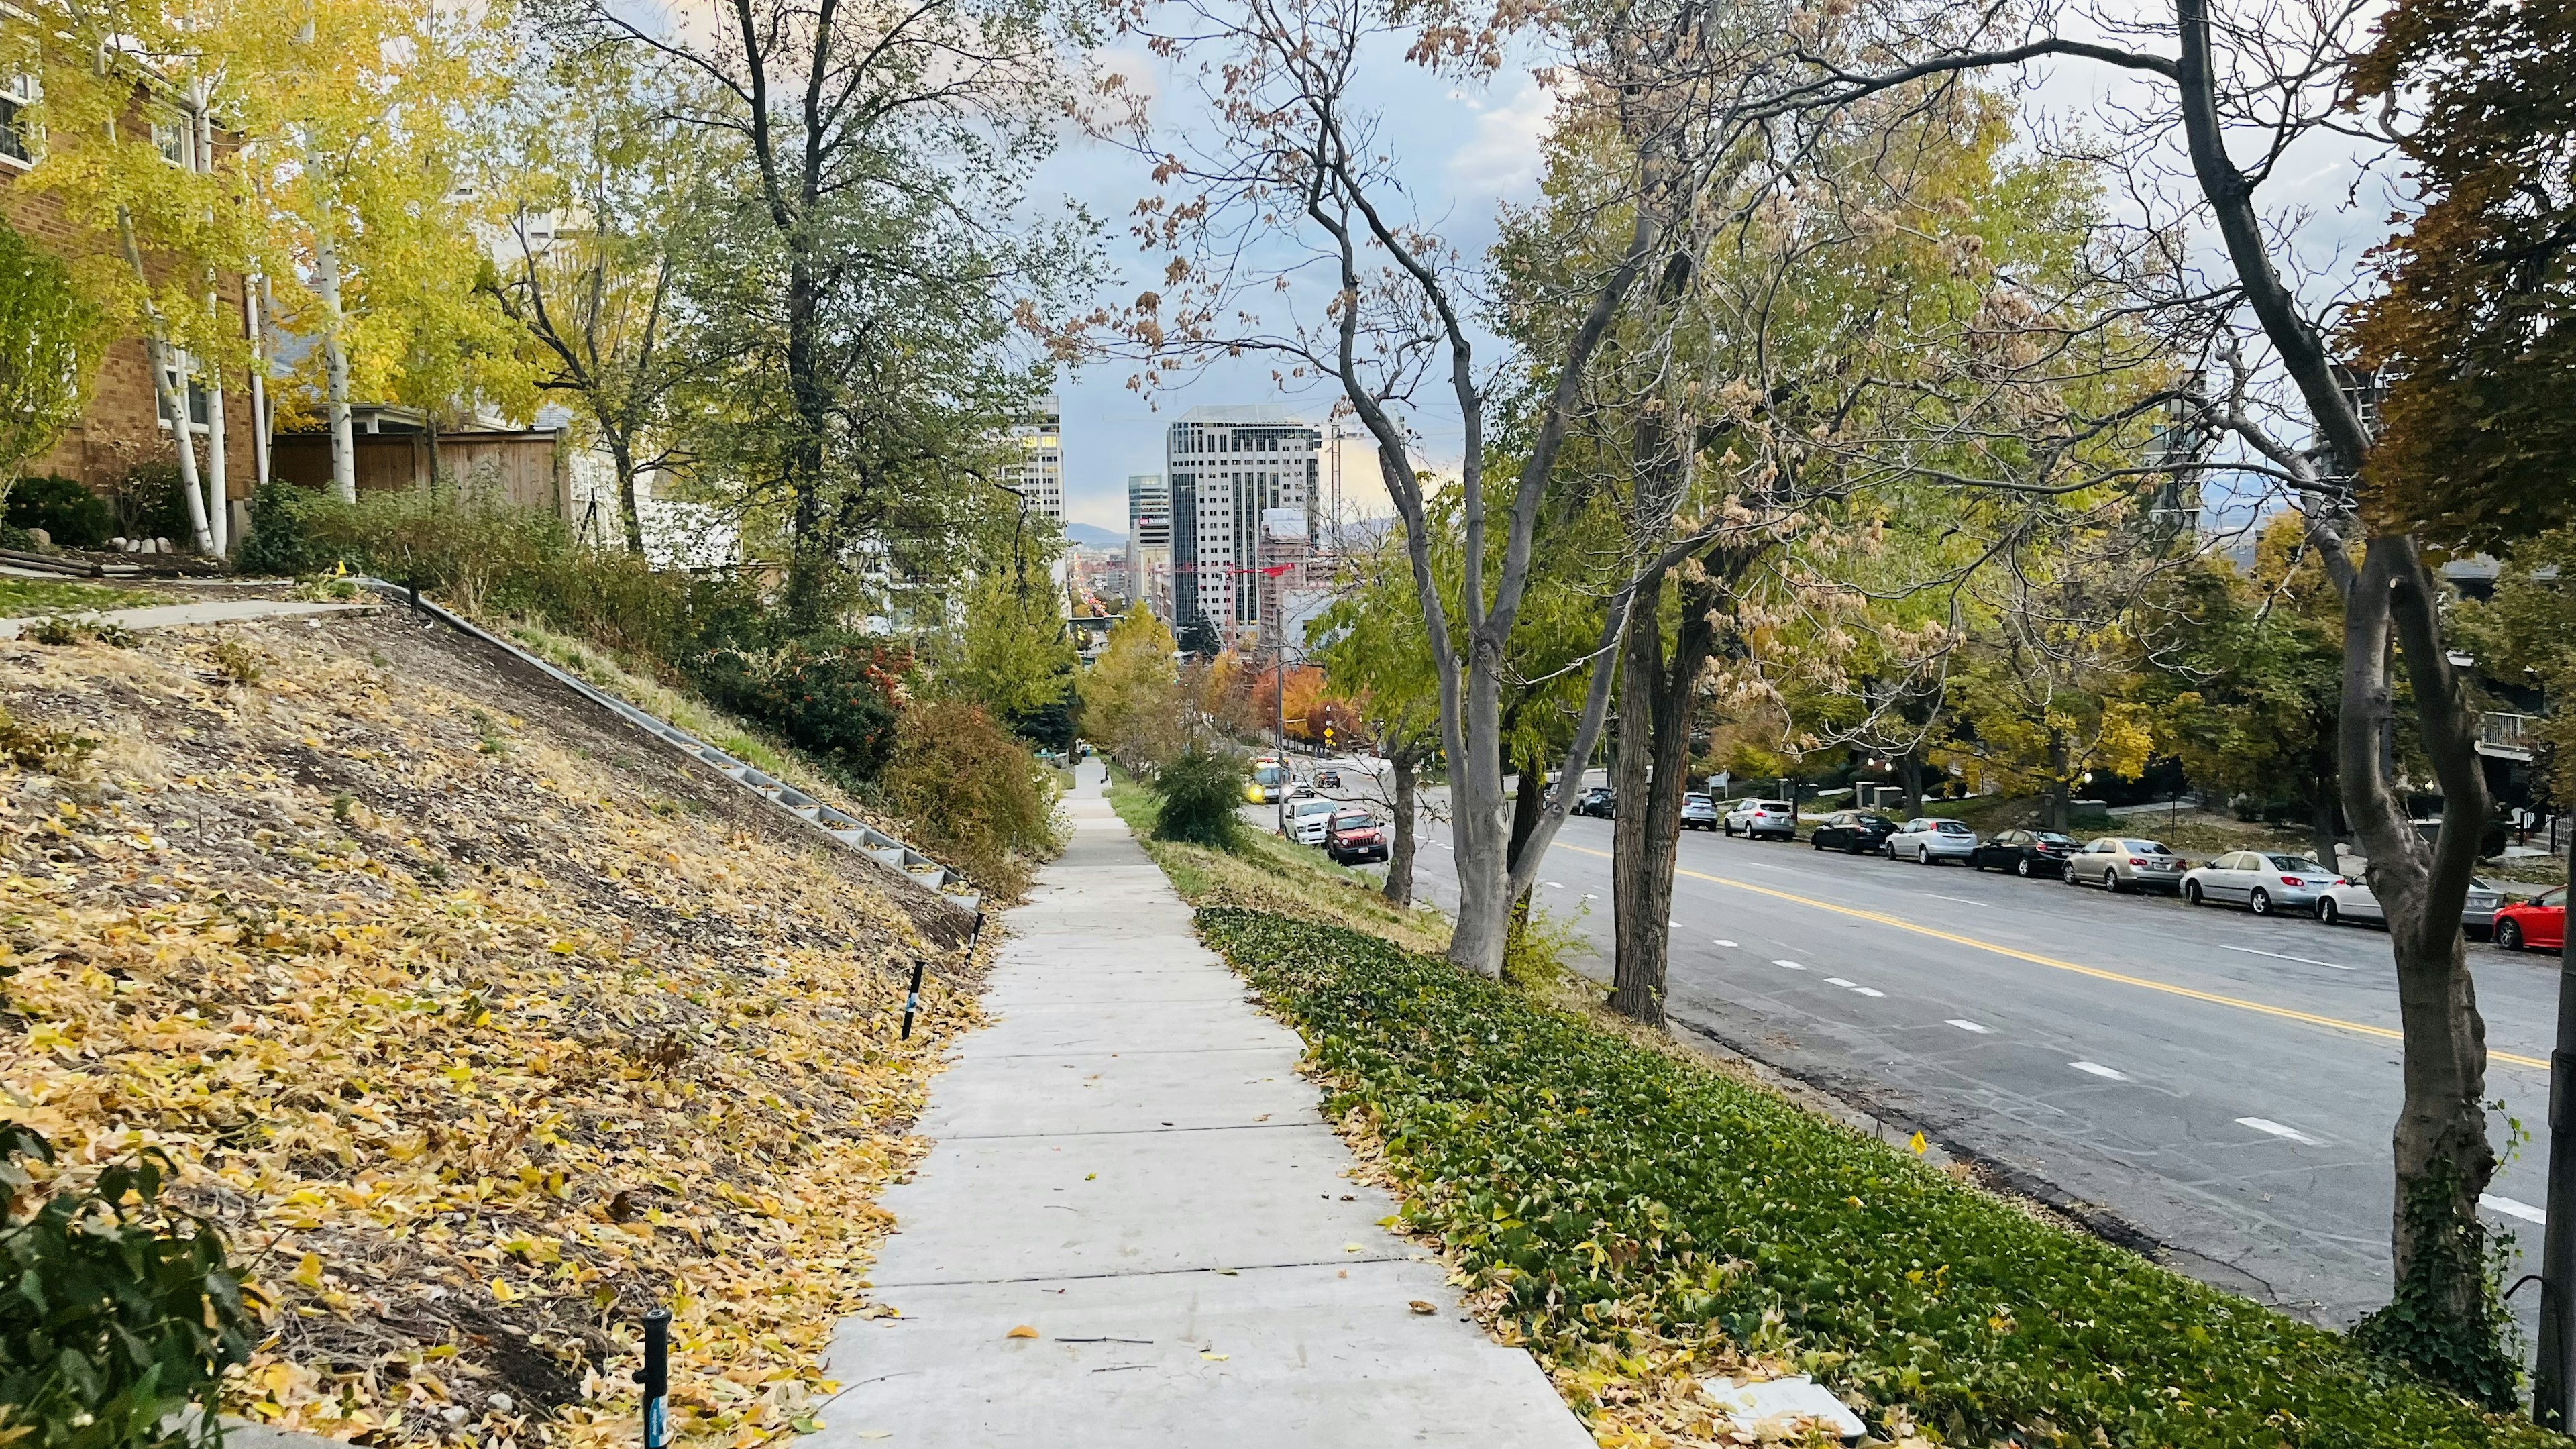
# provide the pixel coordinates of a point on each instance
(479, 1023)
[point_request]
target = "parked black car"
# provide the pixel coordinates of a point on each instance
(1599, 800)
(2026, 853)
(1857, 831)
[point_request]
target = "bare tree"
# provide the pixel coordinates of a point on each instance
(2265, 81)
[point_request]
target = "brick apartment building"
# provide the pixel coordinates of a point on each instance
(121, 426)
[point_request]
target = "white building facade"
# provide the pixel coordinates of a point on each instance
(1227, 466)
(1149, 542)
(1035, 467)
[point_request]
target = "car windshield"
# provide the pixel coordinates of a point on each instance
(1352, 822)
(1780, 805)
(1952, 827)
(1269, 774)
(2144, 847)
(2053, 838)
(2297, 862)
(1878, 822)
(1311, 807)
(1694, 799)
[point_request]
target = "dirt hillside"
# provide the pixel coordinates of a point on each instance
(479, 1021)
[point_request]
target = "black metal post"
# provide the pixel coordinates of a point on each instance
(912, 999)
(2554, 1374)
(655, 1376)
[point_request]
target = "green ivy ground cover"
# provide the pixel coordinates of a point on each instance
(1606, 1183)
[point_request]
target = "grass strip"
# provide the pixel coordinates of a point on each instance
(20, 598)
(1614, 1200)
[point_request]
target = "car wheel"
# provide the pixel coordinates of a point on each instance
(2191, 892)
(1817, 842)
(2111, 881)
(2326, 910)
(2260, 903)
(2022, 868)
(2508, 935)
(1890, 848)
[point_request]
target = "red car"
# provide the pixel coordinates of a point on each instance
(2538, 924)
(1352, 837)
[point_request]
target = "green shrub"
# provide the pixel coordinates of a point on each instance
(277, 543)
(834, 703)
(150, 505)
(975, 796)
(121, 1311)
(64, 508)
(1610, 1189)
(1201, 790)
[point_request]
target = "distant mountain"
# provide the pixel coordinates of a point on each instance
(1091, 535)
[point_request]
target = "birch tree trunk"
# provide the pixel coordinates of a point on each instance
(171, 400)
(335, 368)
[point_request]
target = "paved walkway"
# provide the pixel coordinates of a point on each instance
(1128, 1163)
(213, 611)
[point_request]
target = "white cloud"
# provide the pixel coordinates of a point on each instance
(1501, 158)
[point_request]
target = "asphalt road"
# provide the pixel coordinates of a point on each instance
(2221, 1085)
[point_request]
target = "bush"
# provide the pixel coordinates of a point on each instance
(63, 507)
(150, 505)
(976, 798)
(834, 703)
(1201, 790)
(1617, 1195)
(120, 1312)
(277, 543)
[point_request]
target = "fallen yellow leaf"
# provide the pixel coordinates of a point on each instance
(1216, 1357)
(1023, 1331)
(1418, 1306)
(1917, 1143)
(309, 1272)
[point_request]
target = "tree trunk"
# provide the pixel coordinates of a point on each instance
(335, 369)
(2060, 808)
(429, 421)
(218, 484)
(629, 517)
(170, 398)
(1529, 802)
(1909, 772)
(809, 554)
(1402, 763)
(2443, 1317)
(253, 314)
(1482, 830)
(1658, 700)
(2321, 826)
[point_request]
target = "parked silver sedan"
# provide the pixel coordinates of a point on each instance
(2349, 899)
(2117, 863)
(1929, 839)
(2260, 882)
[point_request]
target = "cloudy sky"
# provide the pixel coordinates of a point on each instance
(1465, 151)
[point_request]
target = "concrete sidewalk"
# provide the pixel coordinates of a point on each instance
(1128, 1162)
(209, 611)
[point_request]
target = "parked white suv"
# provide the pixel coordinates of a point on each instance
(1929, 840)
(1309, 818)
(1754, 819)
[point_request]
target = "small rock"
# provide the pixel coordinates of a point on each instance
(501, 1403)
(453, 1413)
(162, 545)
(117, 543)
(40, 538)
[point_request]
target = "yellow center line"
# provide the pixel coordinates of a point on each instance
(2096, 972)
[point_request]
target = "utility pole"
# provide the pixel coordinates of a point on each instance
(2554, 1375)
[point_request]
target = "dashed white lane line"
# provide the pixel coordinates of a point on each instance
(1838, 981)
(1722, 941)
(2266, 1124)
(1791, 965)
(1555, 885)
(2099, 1070)
(2512, 1209)
(1676, 923)
(1868, 991)
(1963, 1024)
(1962, 900)
(2277, 956)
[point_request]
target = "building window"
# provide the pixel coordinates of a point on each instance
(17, 130)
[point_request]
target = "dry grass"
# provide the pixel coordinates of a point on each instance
(1265, 873)
(479, 1023)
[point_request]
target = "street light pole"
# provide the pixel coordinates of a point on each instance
(2554, 1375)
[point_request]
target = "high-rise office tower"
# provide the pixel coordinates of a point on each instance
(1149, 542)
(1035, 468)
(1227, 466)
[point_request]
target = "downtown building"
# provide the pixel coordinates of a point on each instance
(1034, 466)
(1229, 468)
(1149, 542)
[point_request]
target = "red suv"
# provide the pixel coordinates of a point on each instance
(1352, 837)
(2539, 923)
